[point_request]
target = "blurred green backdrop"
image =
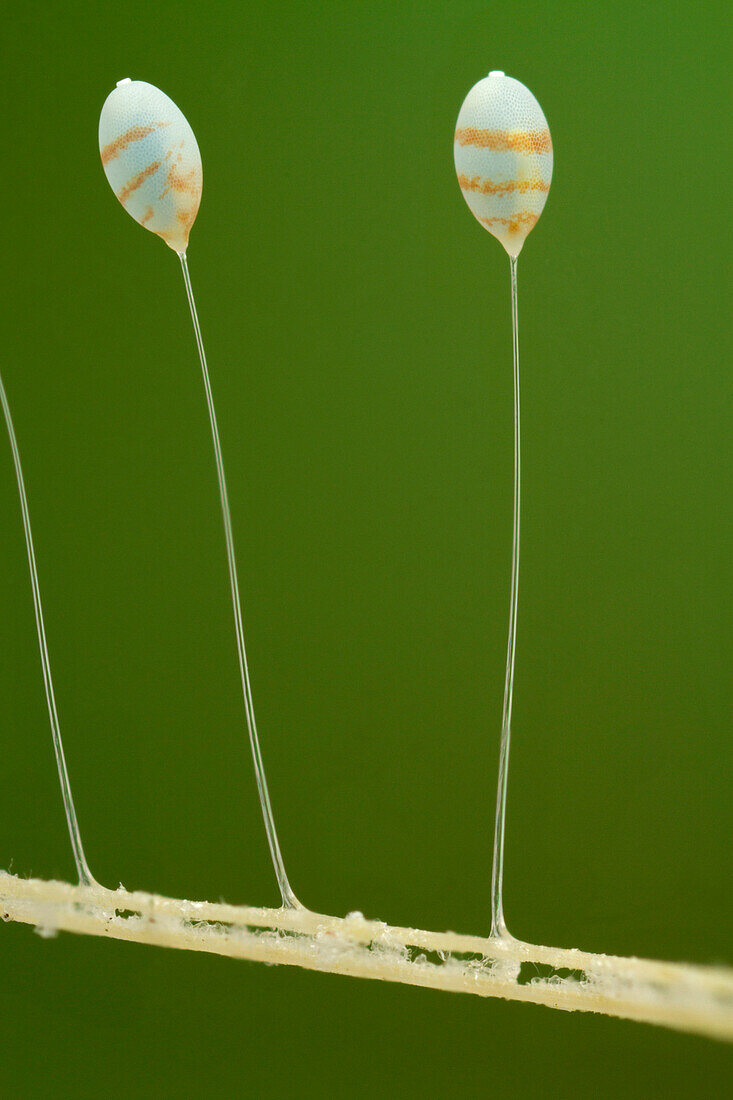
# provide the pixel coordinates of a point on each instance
(358, 330)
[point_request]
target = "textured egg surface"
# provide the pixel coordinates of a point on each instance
(151, 159)
(503, 156)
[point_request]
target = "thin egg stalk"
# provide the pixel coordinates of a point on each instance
(503, 156)
(86, 877)
(151, 160)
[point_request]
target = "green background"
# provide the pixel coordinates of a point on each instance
(358, 330)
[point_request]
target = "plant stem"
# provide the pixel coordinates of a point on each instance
(688, 998)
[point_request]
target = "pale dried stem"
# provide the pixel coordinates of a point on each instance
(689, 998)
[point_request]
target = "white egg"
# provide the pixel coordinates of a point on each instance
(151, 159)
(503, 156)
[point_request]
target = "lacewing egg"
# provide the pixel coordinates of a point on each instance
(503, 156)
(151, 160)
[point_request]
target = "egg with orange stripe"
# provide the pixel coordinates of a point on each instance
(503, 156)
(152, 160)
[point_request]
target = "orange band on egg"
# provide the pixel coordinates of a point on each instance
(505, 141)
(525, 218)
(505, 187)
(137, 133)
(137, 180)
